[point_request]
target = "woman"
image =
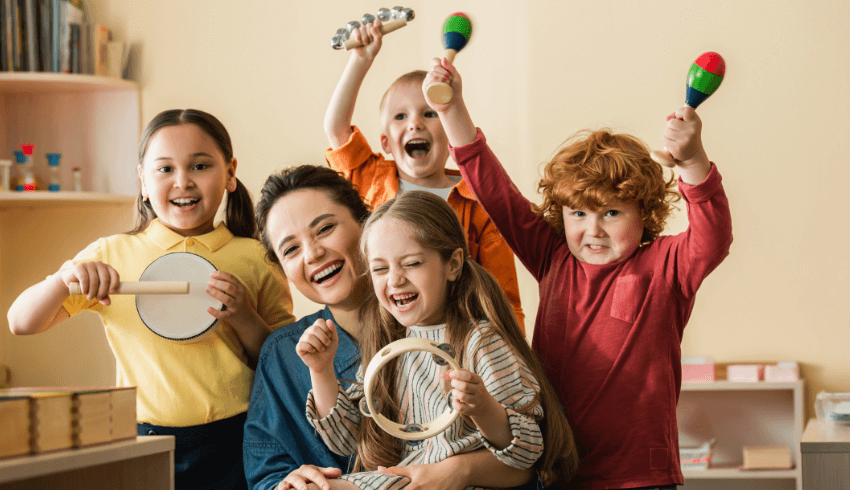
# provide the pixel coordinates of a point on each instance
(310, 220)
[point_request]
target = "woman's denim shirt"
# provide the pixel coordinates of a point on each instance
(278, 439)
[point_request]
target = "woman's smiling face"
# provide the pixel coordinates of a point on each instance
(316, 241)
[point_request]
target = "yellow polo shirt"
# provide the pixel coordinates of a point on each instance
(183, 384)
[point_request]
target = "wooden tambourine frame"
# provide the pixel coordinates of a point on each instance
(395, 349)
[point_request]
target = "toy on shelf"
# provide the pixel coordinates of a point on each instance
(5, 175)
(704, 77)
(391, 19)
(78, 179)
(443, 354)
(53, 165)
(456, 32)
(26, 180)
(745, 373)
(833, 408)
(698, 370)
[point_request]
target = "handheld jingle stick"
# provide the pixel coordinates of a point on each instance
(456, 31)
(391, 20)
(704, 77)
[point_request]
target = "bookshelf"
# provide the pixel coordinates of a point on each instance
(146, 462)
(94, 122)
(742, 414)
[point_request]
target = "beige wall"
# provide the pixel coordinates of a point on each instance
(536, 72)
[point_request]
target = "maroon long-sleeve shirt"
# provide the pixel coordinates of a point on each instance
(609, 335)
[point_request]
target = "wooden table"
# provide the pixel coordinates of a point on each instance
(146, 462)
(826, 456)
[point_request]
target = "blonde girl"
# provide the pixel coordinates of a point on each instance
(426, 286)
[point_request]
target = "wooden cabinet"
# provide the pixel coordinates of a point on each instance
(144, 463)
(738, 415)
(826, 456)
(94, 123)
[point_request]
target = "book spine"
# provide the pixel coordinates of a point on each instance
(3, 63)
(32, 37)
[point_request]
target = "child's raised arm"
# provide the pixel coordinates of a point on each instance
(455, 117)
(341, 107)
(39, 308)
(683, 139)
(317, 348)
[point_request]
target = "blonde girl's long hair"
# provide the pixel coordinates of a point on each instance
(473, 297)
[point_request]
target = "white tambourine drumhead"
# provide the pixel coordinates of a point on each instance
(395, 349)
(180, 317)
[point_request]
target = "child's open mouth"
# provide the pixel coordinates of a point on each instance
(184, 203)
(328, 272)
(404, 300)
(417, 148)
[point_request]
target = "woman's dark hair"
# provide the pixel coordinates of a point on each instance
(292, 179)
(239, 215)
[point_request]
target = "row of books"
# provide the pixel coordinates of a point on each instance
(51, 36)
(38, 420)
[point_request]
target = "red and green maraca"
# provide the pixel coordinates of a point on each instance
(456, 31)
(704, 77)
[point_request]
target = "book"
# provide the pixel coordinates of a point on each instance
(49, 423)
(100, 41)
(70, 14)
(3, 54)
(29, 32)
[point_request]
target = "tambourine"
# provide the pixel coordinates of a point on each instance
(443, 354)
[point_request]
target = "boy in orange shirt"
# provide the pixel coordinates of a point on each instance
(414, 136)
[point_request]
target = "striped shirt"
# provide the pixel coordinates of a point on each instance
(422, 399)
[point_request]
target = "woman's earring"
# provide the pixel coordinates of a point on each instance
(146, 198)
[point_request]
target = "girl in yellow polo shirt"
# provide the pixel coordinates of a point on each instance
(198, 391)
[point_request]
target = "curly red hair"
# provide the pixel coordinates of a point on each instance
(592, 168)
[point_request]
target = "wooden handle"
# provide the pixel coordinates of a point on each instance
(441, 92)
(144, 287)
(663, 158)
(385, 29)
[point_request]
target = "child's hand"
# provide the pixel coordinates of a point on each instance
(469, 394)
(443, 71)
(317, 345)
(682, 137)
(371, 38)
(228, 289)
(97, 280)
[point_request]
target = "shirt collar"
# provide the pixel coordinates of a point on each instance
(461, 186)
(165, 238)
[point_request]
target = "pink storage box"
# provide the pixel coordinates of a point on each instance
(785, 371)
(745, 373)
(697, 370)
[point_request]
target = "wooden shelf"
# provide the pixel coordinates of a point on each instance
(738, 386)
(735, 473)
(38, 82)
(38, 465)
(44, 199)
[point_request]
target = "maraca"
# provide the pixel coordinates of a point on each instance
(456, 31)
(704, 77)
(391, 20)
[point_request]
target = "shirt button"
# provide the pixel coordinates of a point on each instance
(190, 242)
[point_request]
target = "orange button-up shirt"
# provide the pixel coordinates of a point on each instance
(376, 180)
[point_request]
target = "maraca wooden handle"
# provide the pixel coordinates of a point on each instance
(663, 158)
(143, 287)
(385, 29)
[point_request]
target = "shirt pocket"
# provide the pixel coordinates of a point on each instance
(629, 296)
